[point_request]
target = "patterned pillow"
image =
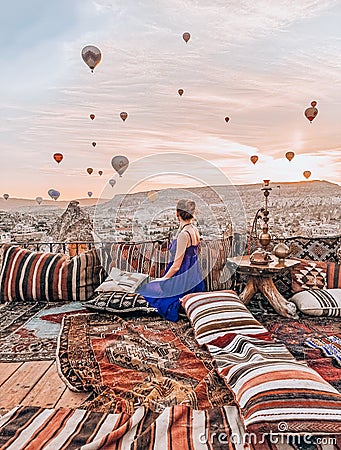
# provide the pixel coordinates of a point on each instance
(309, 275)
(38, 276)
(132, 256)
(119, 302)
(217, 313)
(212, 257)
(160, 259)
(319, 302)
(284, 396)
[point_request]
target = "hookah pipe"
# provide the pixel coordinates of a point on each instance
(261, 256)
(253, 232)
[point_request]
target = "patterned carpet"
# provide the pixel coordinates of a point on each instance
(129, 363)
(29, 331)
(295, 333)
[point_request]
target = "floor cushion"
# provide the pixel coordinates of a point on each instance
(319, 302)
(284, 396)
(39, 276)
(214, 314)
(119, 303)
(309, 275)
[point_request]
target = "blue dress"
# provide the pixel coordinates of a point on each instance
(165, 294)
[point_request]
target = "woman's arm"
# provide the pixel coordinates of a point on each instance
(181, 245)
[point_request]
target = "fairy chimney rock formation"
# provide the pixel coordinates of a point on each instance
(73, 225)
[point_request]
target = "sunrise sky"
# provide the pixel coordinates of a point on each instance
(259, 62)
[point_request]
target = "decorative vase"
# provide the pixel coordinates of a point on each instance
(281, 251)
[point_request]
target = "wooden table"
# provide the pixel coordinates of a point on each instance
(260, 280)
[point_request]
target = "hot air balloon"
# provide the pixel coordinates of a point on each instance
(58, 157)
(289, 155)
(39, 200)
(6, 196)
(91, 56)
(152, 196)
(89, 170)
(123, 116)
(254, 159)
(227, 119)
(92, 116)
(180, 92)
(311, 112)
(120, 164)
(100, 173)
(112, 182)
(306, 174)
(93, 144)
(186, 37)
(90, 194)
(54, 194)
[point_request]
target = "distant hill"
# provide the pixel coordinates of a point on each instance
(300, 189)
(29, 205)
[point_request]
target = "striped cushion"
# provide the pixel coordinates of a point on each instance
(319, 302)
(243, 349)
(38, 276)
(284, 396)
(217, 313)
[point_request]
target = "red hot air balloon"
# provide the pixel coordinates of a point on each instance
(93, 144)
(289, 155)
(92, 116)
(254, 159)
(89, 170)
(186, 37)
(306, 174)
(124, 116)
(180, 92)
(311, 112)
(58, 157)
(91, 56)
(100, 173)
(227, 119)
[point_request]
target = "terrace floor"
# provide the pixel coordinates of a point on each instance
(35, 383)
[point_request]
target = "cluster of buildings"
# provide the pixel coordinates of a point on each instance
(306, 209)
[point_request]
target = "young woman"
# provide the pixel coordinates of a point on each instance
(183, 274)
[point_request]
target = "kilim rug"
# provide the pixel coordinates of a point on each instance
(176, 428)
(145, 361)
(29, 331)
(294, 334)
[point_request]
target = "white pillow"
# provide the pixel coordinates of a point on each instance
(108, 286)
(119, 280)
(319, 302)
